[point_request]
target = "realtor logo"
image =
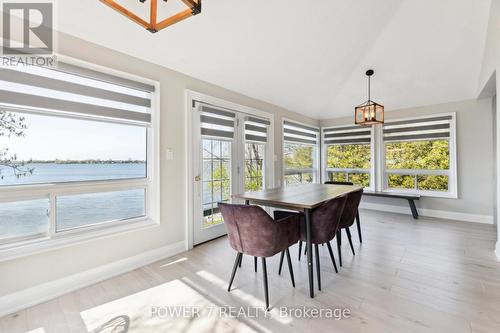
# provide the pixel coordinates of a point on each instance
(27, 28)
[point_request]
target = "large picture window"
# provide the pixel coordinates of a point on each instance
(300, 153)
(76, 151)
(415, 155)
(348, 154)
(419, 155)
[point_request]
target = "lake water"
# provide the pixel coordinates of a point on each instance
(31, 217)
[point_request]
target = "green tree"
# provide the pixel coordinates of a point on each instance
(418, 155)
(254, 166)
(349, 157)
(296, 156)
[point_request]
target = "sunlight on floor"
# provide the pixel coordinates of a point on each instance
(249, 299)
(139, 312)
(174, 262)
(37, 330)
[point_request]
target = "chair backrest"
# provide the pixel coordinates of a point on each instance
(339, 183)
(325, 220)
(350, 209)
(252, 231)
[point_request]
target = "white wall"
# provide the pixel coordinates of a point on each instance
(489, 85)
(26, 272)
(474, 160)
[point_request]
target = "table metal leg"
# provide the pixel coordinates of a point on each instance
(307, 213)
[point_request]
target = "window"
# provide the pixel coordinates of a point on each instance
(348, 154)
(419, 155)
(256, 136)
(76, 151)
(23, 219)
(216, 185)
(300, 153)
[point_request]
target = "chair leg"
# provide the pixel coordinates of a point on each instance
(358, 224)
(264, 272)
(350, 240)
(255, 263)
(300, 249)
(281, 261)
(318, 272)
(241, 259)
(235, 267)
(290, 268)
(339, 246)
(331, 256)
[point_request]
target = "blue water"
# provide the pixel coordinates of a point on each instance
(55, 173)
(32, 216)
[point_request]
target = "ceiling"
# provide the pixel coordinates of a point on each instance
(310, 56)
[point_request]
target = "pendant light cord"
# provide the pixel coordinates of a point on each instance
(369, 88)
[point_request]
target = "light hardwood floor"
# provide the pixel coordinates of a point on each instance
(408, 276)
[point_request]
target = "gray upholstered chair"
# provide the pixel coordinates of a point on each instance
(324, 224)
(253, 232)
(358, 222)
(347, 220)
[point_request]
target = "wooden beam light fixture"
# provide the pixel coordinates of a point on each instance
(369, 113)
(153, 25)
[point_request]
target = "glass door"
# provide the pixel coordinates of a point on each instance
(231, 158)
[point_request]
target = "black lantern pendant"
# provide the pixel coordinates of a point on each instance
(369, 113)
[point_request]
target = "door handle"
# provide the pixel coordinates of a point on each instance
(197, 178)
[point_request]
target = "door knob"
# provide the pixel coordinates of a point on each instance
(197, 178)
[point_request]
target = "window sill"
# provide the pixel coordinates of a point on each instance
(429, 194)
(44, 243)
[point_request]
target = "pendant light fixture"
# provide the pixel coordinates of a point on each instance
(369, 113)
(153, 25)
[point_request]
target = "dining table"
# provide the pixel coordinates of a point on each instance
(301, 198)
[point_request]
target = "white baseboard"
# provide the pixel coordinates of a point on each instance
(442, 214)
(44, 292)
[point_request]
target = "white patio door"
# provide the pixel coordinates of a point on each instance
(230, 157)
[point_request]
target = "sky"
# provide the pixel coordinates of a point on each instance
(50, 138)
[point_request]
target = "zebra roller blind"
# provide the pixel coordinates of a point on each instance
(430, 128)
(346, 135)
(217, 122)
(256, 129)
(72, 89)
(298, 133)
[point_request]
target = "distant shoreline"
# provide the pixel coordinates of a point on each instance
(81, 162)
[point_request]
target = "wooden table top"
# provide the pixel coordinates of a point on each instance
(297, 197)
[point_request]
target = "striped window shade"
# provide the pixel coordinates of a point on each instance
(431, 128)
(217, 122)
(75, 90)
(346, 135)
(298, 133)
(256, 129)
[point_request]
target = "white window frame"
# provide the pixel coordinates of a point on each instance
(24, 246)
(316, 157)
(451, 173)
(324, 159)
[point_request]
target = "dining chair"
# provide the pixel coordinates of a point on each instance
(251, 231)
(358, 222)
(324, 224)
(347, 220)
